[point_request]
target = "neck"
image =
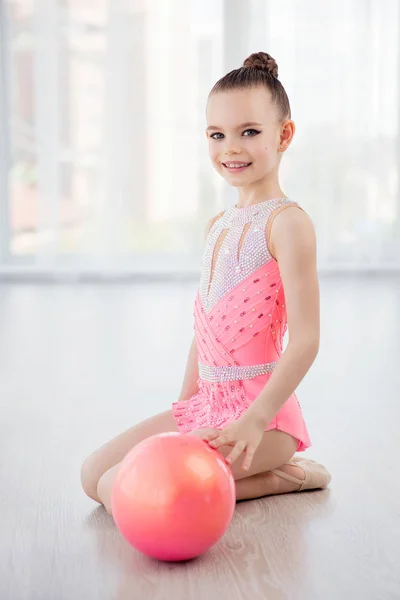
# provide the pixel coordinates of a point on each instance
(259, 191)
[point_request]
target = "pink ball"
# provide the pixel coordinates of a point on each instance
(173, 496)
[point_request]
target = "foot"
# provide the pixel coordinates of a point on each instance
(301, 474)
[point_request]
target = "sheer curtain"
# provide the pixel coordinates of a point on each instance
(104, 164)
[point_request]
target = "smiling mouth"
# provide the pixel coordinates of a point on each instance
(236, 166)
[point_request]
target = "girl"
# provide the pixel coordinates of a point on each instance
(258, 276)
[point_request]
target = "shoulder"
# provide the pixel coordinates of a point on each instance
(211, 222)
(290, 229)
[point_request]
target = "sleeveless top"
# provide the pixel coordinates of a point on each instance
(239, 316)
(234, 264)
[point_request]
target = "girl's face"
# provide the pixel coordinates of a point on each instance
(244, 135)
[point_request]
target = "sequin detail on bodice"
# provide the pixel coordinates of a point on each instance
(234, 263)
(239, 321)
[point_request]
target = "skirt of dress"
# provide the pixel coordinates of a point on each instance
(216, 405)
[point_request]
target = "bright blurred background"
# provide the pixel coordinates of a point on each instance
(104, 166)
(105, 191)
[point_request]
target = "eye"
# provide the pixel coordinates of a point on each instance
(217, 138)
(252, 133)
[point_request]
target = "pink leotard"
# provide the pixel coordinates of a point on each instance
(239, 322)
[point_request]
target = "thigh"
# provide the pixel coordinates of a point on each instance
(276, 448)
(113, 451)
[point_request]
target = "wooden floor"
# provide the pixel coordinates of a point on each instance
(80, 363)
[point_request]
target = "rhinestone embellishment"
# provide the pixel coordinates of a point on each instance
(224, 330)
(233, 373)
(229, 271)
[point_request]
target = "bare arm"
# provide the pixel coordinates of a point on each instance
(189, 385)
(294, 246)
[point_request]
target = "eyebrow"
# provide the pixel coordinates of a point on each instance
(249, 124)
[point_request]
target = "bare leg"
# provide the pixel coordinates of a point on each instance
(112, 453)
(276, 448)
(268, 484)
(274, 452)
(105, 486)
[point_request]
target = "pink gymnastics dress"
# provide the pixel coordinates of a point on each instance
(239, 322)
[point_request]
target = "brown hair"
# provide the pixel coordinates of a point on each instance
(259, 69)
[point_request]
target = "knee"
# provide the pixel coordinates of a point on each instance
(104, 488)
(90, 478)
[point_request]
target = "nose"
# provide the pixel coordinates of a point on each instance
(232, 150)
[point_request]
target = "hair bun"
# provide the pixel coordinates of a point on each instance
(262, 60)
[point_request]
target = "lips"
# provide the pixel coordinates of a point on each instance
(236, 166)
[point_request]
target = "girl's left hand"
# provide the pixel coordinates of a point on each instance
(244, 435)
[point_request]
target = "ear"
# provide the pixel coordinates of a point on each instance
(287, 131)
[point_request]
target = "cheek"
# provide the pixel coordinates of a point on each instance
(269, 149)
(213, 152)
(263, 153)
(259, 147)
